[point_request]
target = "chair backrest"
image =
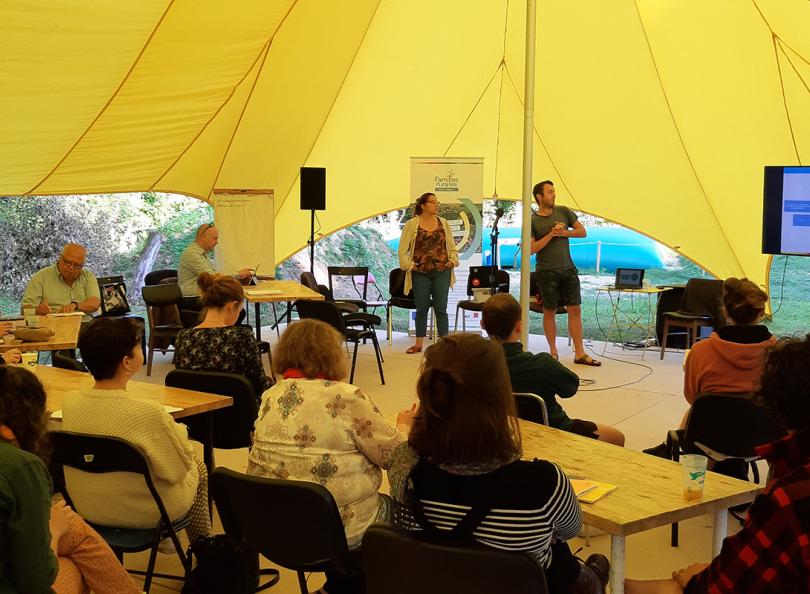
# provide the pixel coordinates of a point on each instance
(157, 295)
(480, 277)
(701, 297)
(325, 311)
(531, 407)
(731, 424)
(399, 564)
(351, 272)
(99, 454)
(232, 425)
(67, 362)
(154, 277)
(396, 284)
(308, 280)
(294, 524)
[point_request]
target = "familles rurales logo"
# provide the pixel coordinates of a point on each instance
(448, 183)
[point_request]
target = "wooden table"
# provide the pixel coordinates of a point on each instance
(649, 493)
(66, 334)
(278, 291)
(58, 382)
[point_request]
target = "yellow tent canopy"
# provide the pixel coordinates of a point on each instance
(657, 115)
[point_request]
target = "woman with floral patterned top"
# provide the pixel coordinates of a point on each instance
(216, 344)
(314, 427)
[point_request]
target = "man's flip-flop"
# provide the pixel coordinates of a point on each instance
(587, 360)
(414, 349)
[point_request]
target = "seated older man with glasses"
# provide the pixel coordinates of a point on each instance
(64, 286)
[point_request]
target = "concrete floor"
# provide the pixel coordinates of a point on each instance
(641, 398)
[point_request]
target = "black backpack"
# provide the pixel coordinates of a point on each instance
(224, 565)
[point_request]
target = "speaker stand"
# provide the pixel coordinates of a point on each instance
(311, 241)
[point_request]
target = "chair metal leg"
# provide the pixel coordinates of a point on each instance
(664, 335)
(389, 324)
(151, 354)
(302, 582)
(673, 537)
(378, 354)
(455, 326)
(354, 362)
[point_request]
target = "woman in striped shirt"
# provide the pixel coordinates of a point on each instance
(460, 476)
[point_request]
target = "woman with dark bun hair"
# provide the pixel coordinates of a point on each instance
(428, 255)
(216, 344)
(730, 360)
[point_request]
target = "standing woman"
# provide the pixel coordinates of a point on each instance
(428, 255)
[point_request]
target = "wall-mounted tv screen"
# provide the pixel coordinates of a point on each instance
(786, 211)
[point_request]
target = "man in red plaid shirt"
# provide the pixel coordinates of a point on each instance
(771, 554)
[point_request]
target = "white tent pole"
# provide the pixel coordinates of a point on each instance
(528, 139)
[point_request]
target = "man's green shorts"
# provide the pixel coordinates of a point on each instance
(559, 287)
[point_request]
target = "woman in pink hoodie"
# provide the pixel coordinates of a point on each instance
(730, 360)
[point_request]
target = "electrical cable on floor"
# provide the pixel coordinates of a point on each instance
(582, 382)
(769, 318)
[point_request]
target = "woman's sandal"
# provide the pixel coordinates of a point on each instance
(587, 360)
(414, 349)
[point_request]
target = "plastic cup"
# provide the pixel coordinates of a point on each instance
(694, 474)
(29, 360)
(8, 339)
(31, 319)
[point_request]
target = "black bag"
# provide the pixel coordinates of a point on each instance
(224, 565)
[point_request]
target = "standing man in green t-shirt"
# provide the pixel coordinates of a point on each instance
(558, 278)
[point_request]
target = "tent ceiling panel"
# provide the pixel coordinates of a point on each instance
(193, 63)
(59, 67)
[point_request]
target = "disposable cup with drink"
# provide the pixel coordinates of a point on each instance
(31, 319)
(29, 360)
(694, 474)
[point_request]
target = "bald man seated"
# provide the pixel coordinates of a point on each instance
(65, 286)
(195, 260)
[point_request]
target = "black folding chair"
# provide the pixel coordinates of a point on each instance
(233, 425)
(294, 524)
(101, 454)
(399, 564)
(154, 296)
(398, 298)
(725, 428)
(329, 313)
(531, 407)
(480, 277)
(359, 277)
(64, 361)
(700, 306)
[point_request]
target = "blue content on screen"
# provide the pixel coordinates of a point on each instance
(801, 220)
(802, 170)
(797, 205)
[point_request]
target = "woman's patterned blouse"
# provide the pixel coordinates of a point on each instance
(430, 250)
(329, 433)
(231, 349)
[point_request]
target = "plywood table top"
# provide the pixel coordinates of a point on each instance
(66, 334)
(59, 382)
(275, 291)
(650, 489)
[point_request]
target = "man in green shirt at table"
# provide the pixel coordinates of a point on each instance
(194, 261)
(64, 286)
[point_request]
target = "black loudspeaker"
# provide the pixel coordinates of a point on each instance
(313, 188)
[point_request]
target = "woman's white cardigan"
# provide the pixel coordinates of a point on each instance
(406, 244)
